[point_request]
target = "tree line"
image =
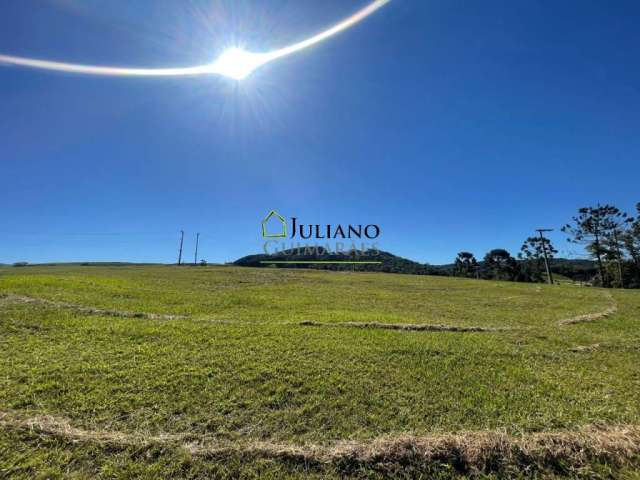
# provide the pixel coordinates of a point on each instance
(610, 236)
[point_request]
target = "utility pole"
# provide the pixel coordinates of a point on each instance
(181, 243)
(544, 250)
(195, 258)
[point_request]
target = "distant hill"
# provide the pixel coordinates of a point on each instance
(389, 263)
(575, 269)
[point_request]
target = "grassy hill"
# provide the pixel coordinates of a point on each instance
(389, 263)
(227, 372)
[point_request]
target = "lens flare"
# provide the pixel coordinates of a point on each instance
(234, 63)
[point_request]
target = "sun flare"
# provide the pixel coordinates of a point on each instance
(233, 63)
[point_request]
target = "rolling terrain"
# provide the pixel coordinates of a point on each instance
(230, 372)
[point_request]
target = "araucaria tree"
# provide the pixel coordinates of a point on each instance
(532, 255)
(617, 226)
(465, 265)
(500, 265)
(601, 230)
(631, 241)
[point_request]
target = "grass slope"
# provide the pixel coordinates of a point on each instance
(240, 368)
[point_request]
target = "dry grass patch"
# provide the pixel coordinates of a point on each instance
(479, 451)
(415, 327)
(24, 300)
(585, 348)
(591, 317)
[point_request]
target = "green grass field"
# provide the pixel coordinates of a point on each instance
(235, 387)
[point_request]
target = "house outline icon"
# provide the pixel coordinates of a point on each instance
(283, 223)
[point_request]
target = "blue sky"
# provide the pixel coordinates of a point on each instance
(451, 124)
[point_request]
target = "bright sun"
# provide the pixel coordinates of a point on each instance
(237, 63)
